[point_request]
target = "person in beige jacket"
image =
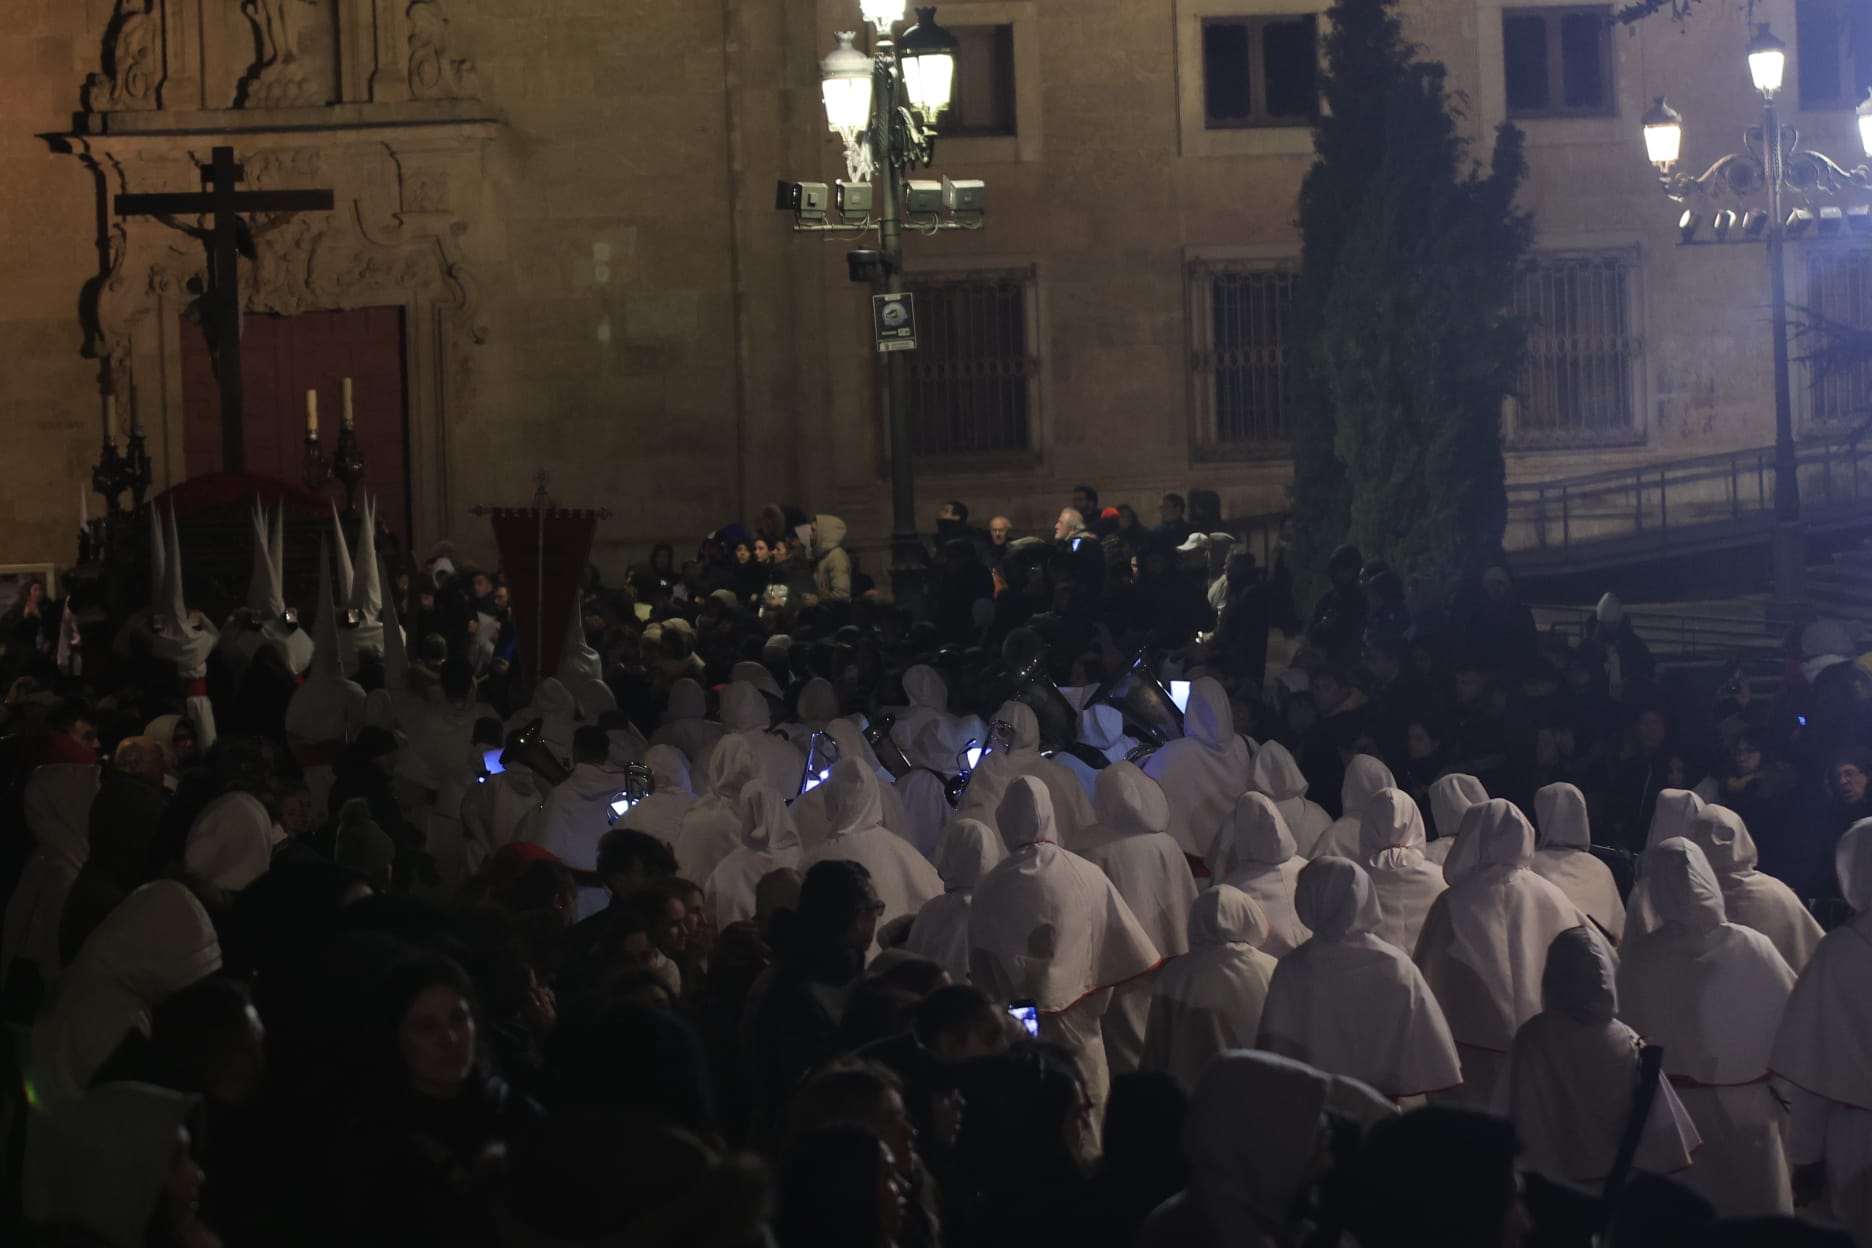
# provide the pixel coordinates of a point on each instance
(833, 573)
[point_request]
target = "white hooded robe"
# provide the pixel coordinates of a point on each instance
(968, 850)
(1204, 771)
(1209, 999)
(1255, 853)
(1563, 859)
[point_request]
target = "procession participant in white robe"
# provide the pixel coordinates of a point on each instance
(185, 640)
(1451, 797)
(578, 813)
(438, 758)
(506, 807)
(1072, 809)
(412, 704)
(928, 696)
(58, 816)
(1391, 841)
(328, 709)
(686, 726)
(1753, 898)
(1351, 1002)
(1101, 731)
(1209, 998)
(769, 843)
(1275, 774)
(761, 677)
(816, 707)
(924, 793)
(712, 828)
(854, 803)
(967, 850)
(671, 796)
(553, 706)
(1711, 993)
(1204, 771)
(1147, 866)
(363, 591)
(264, 623)
(1046, 926)
(1256, 854)
(1562, 858)
(1365, 777)
(811, 811)
(1822, 1049)
(1484, 943)
(578, 662)
(230, 844)
(1572, 1073)
(1673, 815)
(745, 713)
(156, 942)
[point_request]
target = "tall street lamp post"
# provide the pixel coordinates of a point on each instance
(1773, 162)
(885, 106)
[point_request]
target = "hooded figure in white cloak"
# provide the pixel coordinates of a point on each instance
(769, 843)
(1351, 1002)
(1255, 853)
(326, 710)
(230, 844)
(1204, 771)
(363, 589)
(816, 706)
(1484, 943)
(266, 602)
(578, 814)
(712, 828)
(58, 815)
(184, 639)
(506, 807)
(928, 696)
(671, 796)
(1047, 927)
(1676, 810)
(1822, 1049)
(1276, 774)
(440, 758)
(157, 941)
(1562, 858)
(968, 850)
(746, 713)
(1209, 999)
(1148, 868)
(990, 781)
(924, 793)
(812, 811)
(553, 705)
(1391, 841)
(1752, 898)
(686, 725)
(106, 1162)
(1572, 1073)
(854, 803)
(1101, 731)
(1451, 797)
(1711, 993)
(1365, 778)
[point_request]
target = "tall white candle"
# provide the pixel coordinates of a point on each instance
(344, 390)
(312, 413)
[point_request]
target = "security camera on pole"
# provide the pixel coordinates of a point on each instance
(884, 106)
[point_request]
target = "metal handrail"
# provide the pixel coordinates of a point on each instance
(1682, 633)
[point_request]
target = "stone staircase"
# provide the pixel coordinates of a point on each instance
(1841, 587)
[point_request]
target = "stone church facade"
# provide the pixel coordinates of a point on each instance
(560, 218)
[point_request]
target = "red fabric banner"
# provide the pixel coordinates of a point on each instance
(544, 555)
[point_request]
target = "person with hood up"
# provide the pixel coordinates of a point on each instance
(507, 807)
(769, 843)
(1101, 737)
(553, 705)
(1484, 943)
(928, 696)
(1711, 993)
(181, 637)
(1016, 755)
(1247, 1185)
(686, 725)
(854, 804)
(967, 850)
(1612, 646)
(1821, 1047)
(579, 811)
(746, 713)
(832, 574)
(712, 828)
(1351, 1002)
(1365, 778)
(1750, 897)
(671, 796)
(1256, 855)
(1276, 774)
(1564, 859)
(816, 706)
(327, 710)
(265, 622)
(157, 942)
(441, 760)
(1451, 797)
(117, 1170)
(1391, 841)
(1209, 998)
(230, 844)
(59, 797)
(811, 811)
(1147, 867)
(1047, 927)
(1204, 771)
(1572, 1074)
(924, 793)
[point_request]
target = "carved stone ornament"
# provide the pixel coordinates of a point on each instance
(133, 60)
(434, 73)
(294, 66)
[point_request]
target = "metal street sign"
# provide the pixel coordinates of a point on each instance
(893, 321)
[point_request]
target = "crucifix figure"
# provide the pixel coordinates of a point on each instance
(220, 301)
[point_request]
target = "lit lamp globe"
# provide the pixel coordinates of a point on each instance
(1767, 61)
(927, 54)
(1865, 124)
(882, 14)
(1663, 134)
(845, 84)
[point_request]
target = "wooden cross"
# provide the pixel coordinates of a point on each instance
(220, 302)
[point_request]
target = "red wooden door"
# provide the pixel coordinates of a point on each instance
(282, 357)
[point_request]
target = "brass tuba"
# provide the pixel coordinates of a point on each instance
(1148, 708)
(889, 754)
(527, 748)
